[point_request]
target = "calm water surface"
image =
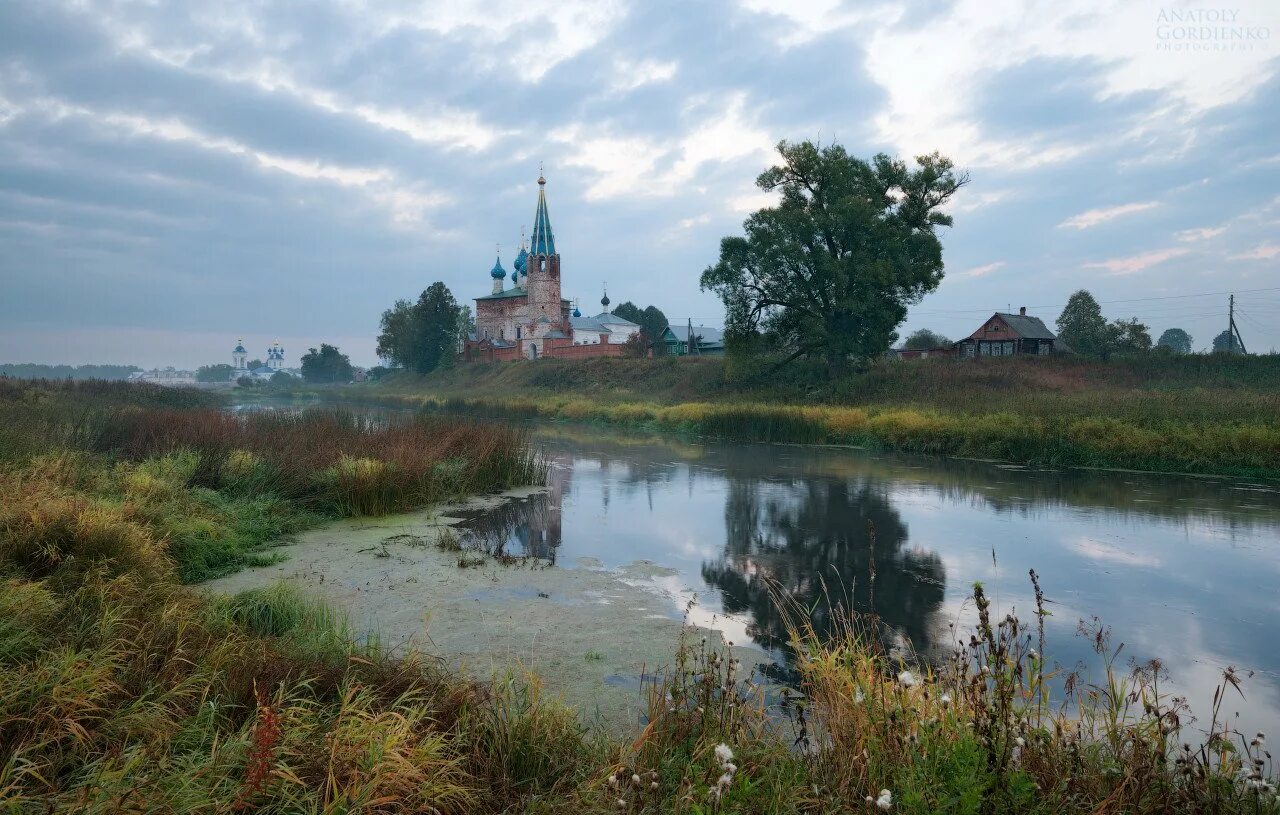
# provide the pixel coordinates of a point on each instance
(1184, 569)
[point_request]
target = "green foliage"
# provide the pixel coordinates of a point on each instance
(1082, 326)
(26, 370)
(326, 365)
(1128, 337)
(652, 323)
(831, 269)
(923, 340)
(214, 373)
(1225, 343)
(1176, 340)
(423, 335)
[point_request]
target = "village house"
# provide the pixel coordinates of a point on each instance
(1004, 335)
(531, 319)
(1001, 335)
(693, 339)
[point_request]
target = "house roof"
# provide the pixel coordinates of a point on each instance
(555, 334)
(706, 334)
(588, 324)
(518, 291)
(608, 318)
(1027, 327)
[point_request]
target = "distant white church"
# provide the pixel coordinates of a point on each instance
(240, 365)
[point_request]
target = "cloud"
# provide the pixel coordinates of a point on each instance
(1093, 217)
(257, 169)
(985, 269)
(1266, 251)
(1203, 233)
(1139, 262)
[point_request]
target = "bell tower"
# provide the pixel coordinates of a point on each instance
(542, 266)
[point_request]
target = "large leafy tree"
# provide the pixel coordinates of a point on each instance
(1082, 326)
(831, 269)
(423, 334)
(326, 365)
(651, 320)
(1224, 342)
(1128, 337)
(923, 339)
(1176, 340)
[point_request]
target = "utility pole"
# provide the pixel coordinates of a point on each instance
(1233, 331)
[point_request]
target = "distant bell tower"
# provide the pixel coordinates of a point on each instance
(239, 356)
(542, 266)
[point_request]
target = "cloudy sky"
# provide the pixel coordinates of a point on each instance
(174, 175)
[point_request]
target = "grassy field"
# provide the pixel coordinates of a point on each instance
(122, 690)
(1199, 414)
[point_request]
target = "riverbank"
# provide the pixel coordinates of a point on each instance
(123, 690)
(1209, 415)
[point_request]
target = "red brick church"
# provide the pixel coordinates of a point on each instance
(531, 319)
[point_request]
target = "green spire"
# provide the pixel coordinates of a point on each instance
(543, 241)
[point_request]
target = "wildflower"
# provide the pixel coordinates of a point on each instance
(724, 754)
(613, 780)
(653, 785)
(859, 696)
(945, 699)
(635, 779)
(1020, 741)
(622, 803)
(907, 679)
(730, 767)
(725, 781)
(885, 801)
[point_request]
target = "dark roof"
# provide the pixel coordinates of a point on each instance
(556, 334)
(1027, 327)
(518, 291)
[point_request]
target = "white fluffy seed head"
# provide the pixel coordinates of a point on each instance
(724, 753)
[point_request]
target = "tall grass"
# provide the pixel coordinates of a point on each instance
(90, 480)
(123, 691)
(1205, 414)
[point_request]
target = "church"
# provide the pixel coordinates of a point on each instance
(531, 319)
(240, 366)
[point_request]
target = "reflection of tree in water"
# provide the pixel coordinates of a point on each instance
(528, 527)
(810, 539)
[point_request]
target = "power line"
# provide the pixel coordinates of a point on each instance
(1108, 302)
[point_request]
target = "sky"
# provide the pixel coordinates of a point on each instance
(176, 175)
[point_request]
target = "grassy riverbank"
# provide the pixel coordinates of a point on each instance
(122, 690)
(1198, 414)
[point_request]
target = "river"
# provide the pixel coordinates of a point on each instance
(1183, 569)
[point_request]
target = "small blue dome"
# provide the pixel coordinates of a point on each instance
(497, 272)
(515, 277)
(576, 313)
(521, 261)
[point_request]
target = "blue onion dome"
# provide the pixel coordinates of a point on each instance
(521, 261)
(497, 272)
(515, 277)
(604, 301)
(239, 347)
(576, 313)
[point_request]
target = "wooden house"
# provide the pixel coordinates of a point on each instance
(1004, 335)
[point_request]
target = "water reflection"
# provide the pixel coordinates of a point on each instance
(1181, 568)
(812, 541)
